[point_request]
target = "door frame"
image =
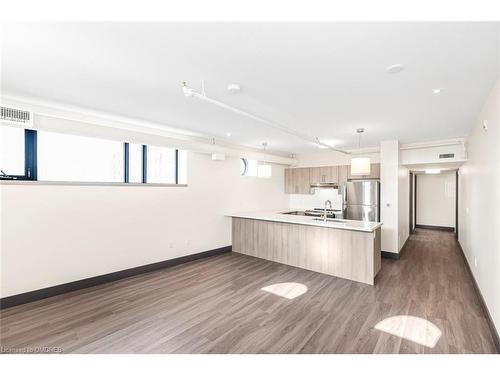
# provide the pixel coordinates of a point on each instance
(456, 204)
(412, 205)
(413, 201)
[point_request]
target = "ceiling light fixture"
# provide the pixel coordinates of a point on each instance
(264, 170)
(393, 69)
(228, 134)
(189, 92)
(360, 166)
(233, 88)
(436, 91)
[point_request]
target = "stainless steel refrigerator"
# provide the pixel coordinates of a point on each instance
(361, 200)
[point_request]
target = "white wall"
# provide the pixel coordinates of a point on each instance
(479, 204)
(436, 199)
(316, 200)
(57, 234)
(328, 157)
(412, 182)
(389, 194)
(430, 154)
(403, 205)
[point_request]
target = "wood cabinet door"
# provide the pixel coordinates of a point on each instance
(315, 175)
(301, 180)
(329, 174)
(343, 173)
(304, 181)
(288, 180)
(375, 170)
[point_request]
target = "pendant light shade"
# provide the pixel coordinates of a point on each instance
(264, 170)
(360, 166)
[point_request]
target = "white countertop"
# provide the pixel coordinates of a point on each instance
(278, 216)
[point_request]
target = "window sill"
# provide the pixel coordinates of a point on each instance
(82, 183)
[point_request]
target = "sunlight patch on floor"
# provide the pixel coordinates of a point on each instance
(286, 290)
(412, 328)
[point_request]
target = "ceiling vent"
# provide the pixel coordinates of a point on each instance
(16, 116)
(446, 156)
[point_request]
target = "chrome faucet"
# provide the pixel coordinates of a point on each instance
(327, 202)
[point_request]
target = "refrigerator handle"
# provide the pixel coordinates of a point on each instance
(344, 199)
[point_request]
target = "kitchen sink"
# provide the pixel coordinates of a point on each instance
(302, 213)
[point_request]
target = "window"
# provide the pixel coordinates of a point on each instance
(181, 167)
(47, 156)
(135, 162)
(161, 165)
(63, 157)
(243, 166)
(249, 167)
(12, 150)
(17, 153)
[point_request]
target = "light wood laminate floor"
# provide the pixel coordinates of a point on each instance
(423, 303)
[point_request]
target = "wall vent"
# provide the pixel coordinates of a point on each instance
(446, 156)
(16, 116)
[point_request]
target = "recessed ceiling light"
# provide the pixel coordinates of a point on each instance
(228, 134)
(393, 69)
(436, 91)
(233, 88)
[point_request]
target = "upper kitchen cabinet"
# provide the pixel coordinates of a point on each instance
(324, 174)
(374, 173)
(343, 173)
(298, 180)
(288, 181)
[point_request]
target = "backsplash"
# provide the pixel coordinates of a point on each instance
(306, 201)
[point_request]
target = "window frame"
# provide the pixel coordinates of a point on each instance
(31, 165)
(245, 170)
(30, 159)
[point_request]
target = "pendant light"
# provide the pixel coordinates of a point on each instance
(264, 170)
(360, 166)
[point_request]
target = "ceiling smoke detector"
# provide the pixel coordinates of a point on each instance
(233, 88)
(393, 69)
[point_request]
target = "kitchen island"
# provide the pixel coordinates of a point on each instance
(348, 249)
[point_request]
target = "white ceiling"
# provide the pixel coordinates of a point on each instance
(323, 79)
